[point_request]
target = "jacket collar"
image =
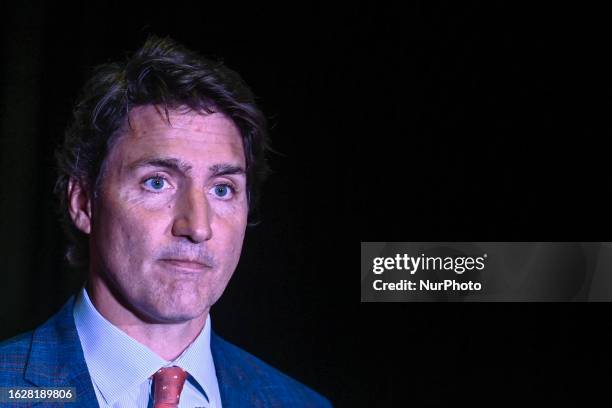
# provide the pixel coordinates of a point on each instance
(56, 360)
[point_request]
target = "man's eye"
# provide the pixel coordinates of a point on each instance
(156, 183)
(224, 191)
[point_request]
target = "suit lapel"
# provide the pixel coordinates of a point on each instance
(236, 386)
(56, 358)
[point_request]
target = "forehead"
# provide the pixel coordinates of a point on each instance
(191, 135)
(150, 118)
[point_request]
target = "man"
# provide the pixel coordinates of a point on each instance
(158, 173)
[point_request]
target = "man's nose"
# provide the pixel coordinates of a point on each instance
(193, 216)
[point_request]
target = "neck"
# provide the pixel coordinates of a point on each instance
(167, 340)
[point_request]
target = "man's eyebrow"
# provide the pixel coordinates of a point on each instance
(165, 162)
(225, 169)
(216, 170)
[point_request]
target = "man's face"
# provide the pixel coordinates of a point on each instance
(169, 222)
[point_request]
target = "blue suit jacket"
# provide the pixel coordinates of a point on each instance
(51, 356)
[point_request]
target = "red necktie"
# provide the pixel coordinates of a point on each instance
(168, 384)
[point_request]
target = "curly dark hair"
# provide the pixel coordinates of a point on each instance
(162, 73)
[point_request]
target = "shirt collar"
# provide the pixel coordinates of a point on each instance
(197, 360)
(118, 363)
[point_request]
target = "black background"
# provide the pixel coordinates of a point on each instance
(432, 122)
(491, 124)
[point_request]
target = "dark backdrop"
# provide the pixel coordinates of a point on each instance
(491, 123)
(433, 121)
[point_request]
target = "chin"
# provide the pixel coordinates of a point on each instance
(183, 312)
(175, 316)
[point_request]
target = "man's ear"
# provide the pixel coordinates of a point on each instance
(79, 205)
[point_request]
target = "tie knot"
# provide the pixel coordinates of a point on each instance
(168, 384)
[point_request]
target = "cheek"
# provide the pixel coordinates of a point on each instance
(229, 229)
(234, 245)
(231, 215)
(125, 230)
(232, 211)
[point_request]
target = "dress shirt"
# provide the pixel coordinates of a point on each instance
(120, 367)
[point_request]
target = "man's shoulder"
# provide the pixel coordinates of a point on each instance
(14, 354)
(275, 386)
(40, 349)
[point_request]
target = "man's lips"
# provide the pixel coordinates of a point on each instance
(186, 264)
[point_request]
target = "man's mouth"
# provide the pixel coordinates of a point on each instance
(186, 264)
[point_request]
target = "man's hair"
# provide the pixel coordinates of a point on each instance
(161, 73)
